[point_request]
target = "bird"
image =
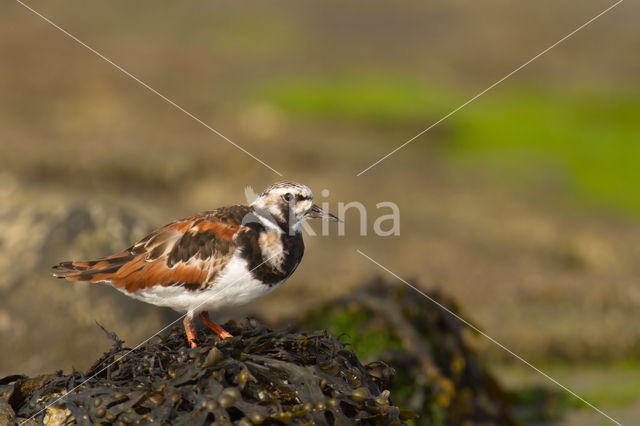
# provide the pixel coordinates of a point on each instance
(216, 259)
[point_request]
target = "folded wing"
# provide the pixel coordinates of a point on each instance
(190, 252)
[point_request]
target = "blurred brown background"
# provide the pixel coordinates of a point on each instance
(523, 206)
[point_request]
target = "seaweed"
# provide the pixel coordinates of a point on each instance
(438, 374)
(261, 376)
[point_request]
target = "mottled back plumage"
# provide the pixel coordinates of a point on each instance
(190, 252)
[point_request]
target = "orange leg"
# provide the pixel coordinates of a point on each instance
(190, 329)
(204, 317)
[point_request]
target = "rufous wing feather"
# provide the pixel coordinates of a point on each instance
(190, 252)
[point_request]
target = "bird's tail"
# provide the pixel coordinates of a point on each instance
(92, 270)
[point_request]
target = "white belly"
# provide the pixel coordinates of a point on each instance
(234, 286)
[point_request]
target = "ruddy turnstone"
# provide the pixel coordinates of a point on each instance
(215, 259)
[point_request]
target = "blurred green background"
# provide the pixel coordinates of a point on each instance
(523, 206)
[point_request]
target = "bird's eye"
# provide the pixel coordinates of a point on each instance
(287, 197)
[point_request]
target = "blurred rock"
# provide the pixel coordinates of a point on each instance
(45, 321)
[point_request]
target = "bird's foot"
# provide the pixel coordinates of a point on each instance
(204, 317)
(190, 329)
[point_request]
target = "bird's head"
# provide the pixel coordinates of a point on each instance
(289, 203)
